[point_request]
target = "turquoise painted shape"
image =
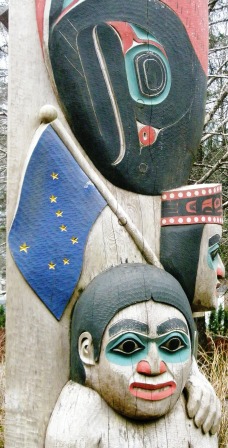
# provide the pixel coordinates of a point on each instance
(134, 89)
(141, 350)
(213, 257)
(66, 3)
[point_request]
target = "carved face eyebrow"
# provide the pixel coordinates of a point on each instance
(129, 325)
(172, 324)
(214, 239)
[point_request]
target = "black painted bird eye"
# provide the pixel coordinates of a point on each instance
(151, 73)
(128, 347)
(173, 344)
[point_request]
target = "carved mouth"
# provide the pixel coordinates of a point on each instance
(152, 392)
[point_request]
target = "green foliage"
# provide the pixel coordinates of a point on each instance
(2, 316)
(218, 322)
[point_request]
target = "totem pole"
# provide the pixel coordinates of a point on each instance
(110, 251)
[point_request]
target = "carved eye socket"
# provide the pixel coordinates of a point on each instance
(214, 253)
(128, 347)
(151, 73)
(173, 344)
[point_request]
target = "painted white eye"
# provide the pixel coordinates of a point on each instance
(128, 347)
(173, 344)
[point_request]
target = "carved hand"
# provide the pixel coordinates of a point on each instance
(202, 403)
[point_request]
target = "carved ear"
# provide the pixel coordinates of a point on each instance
(85, 348)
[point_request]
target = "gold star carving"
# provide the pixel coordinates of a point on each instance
(59, 214)
(66, 261)
(51, 265)
(74, 240)
(54, 176)
(53, 198)
(24, 248)
(63, 228)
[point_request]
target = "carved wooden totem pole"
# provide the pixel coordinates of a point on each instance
(110, 250)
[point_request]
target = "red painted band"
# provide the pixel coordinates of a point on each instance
(184, 220)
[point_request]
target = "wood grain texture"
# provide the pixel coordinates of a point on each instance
(37, 365)
(37, 345)
(107, 429)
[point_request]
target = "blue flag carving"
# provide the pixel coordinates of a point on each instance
(57, 208)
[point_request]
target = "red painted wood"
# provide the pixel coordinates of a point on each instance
(40, 5)
(194, 16)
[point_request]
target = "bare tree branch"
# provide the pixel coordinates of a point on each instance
(220, 126)
(218, 21)
(212, 50)
(213, 169)
(211, 5)
(217, 76)
(217, 72)
(217, 104)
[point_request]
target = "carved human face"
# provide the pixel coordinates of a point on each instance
(144, 361)
(210, 268)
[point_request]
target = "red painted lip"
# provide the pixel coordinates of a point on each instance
(146, 391)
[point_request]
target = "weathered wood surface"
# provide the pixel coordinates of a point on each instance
(37, 345)
(108, 429)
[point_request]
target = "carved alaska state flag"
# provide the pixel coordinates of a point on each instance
(57, 208)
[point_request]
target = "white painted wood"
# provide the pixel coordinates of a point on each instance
(82, 419)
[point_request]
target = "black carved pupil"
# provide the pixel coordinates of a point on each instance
(154, 74)
(129, 346)
(173, 344)
(151, 74)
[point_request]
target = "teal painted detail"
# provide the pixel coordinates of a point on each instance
(130, 348)
(213, 257)
(66, 3)
(142, 34)
(134, 89)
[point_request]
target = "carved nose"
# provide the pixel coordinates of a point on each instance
(220, 269)
(145, 368)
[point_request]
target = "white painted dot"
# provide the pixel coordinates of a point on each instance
(189, 193)
(203, 191)
(218, 189)
(189, 219)
(210, 190)
(214, 219)
(164, 221)
(214, 190)
(171, 195)
(203, 219)
(209, 219)
(196, 219)
(180, 220)
(180, 195)
(196, 193)
(171, 220)
(164, 196)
